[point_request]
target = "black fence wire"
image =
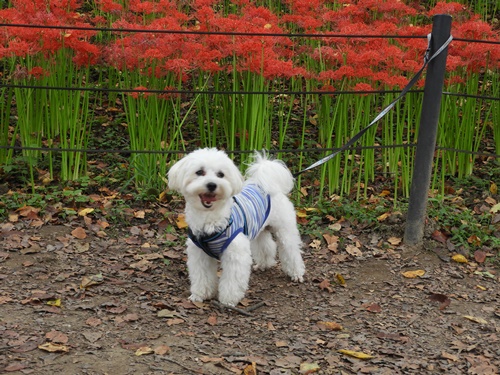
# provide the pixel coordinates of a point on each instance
(242, 92)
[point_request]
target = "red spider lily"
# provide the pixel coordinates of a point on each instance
(361, 86)
(137, 94)
(38, 72)
(108, 6)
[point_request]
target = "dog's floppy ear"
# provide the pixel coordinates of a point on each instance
(236, 179)
(176, 175)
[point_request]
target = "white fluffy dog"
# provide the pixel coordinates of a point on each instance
(233, 220)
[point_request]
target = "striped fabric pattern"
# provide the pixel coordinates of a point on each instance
(248, 215)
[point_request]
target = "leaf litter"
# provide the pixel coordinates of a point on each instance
(108, 298)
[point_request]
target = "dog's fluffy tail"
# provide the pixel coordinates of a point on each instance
(271, 174)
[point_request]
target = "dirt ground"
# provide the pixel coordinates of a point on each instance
(96, 302)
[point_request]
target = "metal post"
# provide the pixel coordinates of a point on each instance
(426, 142)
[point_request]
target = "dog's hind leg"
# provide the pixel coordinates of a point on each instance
(263, 251)
(289, 248)
(202, 274)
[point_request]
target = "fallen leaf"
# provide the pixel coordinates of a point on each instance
(451, 357)
(281, 344)
(495, 208)
(14, 367)
(173, 322)
(139, 214)
(359, 355)
(493, 188)
(57, 337)
(332, 241)
(383, 216)
(330, 325)
(353, 250)
(439, 236)
(459, 258)
(340, 279)
(250, 369)
(56, 302)
(395, 241)
(162, 350)
(475, 319)
(212, 320)
(413, 274)
(207, 359)
(374, 308)
(443, 299)
(88, 281)
(53, 348)
(479, 256)
(309, 368)
(325, 284)
(85, 211)
(181, 221)
(79, 233)
(474, 240)
(144, 350)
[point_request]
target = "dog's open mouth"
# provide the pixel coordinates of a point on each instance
(208, 199)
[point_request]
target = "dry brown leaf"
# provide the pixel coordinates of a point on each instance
(85, 211)
(174, 322)
(395, 241)
(374, 308)
(79, 233)
(88, 281)
(309, 368)
(475, 319)
(281, 344)
(413, 274)
(144, 350)
(449, 356)
(332, 326)
(325, 284)
(162, 350)
(181, 221)
(474, 240)
(439, 236)
(353, 250)
(250, 369)
(212, 320)
(479, 256)
(359, 355)
(383, 216)
(57, 337)
(443, 299)
(53, 348)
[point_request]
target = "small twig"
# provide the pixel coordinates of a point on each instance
(256, 306)
(221, 306)
(179, 364)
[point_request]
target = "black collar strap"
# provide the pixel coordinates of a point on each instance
(203, 241)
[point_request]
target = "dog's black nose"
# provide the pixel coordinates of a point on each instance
(211, 187)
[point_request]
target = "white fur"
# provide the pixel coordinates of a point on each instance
(207, 178)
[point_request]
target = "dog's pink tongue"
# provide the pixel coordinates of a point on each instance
(208, 197)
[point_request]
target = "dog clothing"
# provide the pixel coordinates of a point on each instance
(248, 215)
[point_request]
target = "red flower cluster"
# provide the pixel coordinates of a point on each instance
(378, 62)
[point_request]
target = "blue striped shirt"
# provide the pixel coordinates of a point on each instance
(248, 215)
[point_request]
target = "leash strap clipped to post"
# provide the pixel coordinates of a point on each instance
(407, 88)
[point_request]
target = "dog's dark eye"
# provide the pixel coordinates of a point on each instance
(201, 172)
(220, 175)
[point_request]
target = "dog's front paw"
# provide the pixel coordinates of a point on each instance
(196, 298)
(297, 278)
